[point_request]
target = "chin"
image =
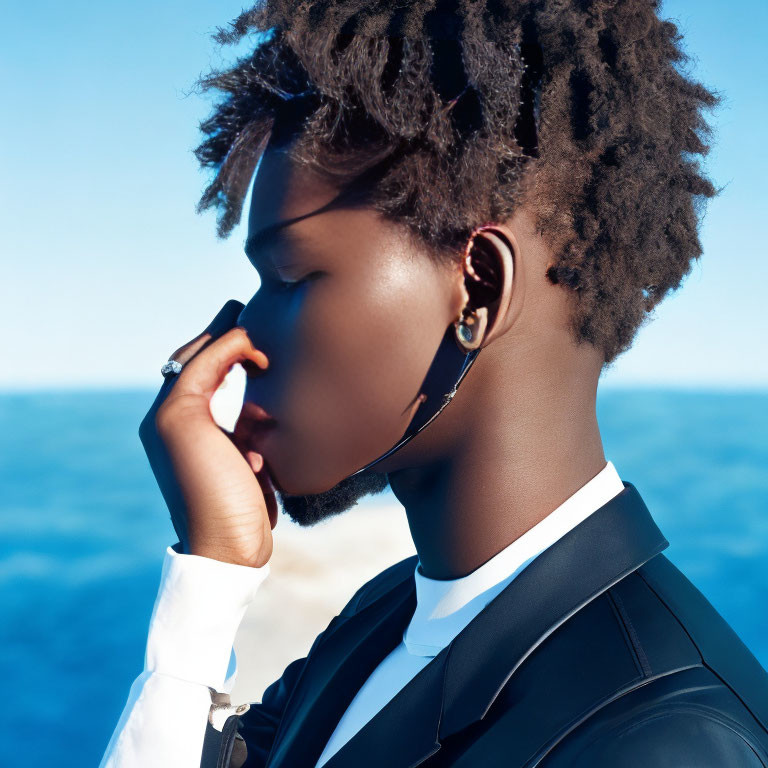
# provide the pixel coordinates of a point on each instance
(311, 508)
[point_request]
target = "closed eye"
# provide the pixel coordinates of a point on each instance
(283, 286)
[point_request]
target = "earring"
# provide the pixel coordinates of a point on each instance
(469, 331)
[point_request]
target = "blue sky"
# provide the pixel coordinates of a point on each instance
(107, 268)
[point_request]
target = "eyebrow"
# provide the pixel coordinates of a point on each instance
(269, 237)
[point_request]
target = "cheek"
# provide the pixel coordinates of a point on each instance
(362, 351)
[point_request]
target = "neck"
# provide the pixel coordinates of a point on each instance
(535, 445)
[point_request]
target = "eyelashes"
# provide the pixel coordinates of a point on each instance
(285, 286)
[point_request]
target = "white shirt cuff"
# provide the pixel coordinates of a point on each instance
(199, 607)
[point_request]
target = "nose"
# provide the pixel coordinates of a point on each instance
(255, 321)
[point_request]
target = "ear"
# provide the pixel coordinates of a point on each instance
(488, 271)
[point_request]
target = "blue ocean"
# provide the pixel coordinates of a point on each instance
(84, 530)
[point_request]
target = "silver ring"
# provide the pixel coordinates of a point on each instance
(171, 368)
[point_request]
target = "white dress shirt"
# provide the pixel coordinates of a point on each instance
(201, 603)
(199, 607)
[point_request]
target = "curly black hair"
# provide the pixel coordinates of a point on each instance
(446, 114)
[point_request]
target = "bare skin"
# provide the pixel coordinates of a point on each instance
(338, 361)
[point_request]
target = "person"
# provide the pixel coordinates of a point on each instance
(432, 180)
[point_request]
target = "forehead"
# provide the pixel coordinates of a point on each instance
(304, 209)
(281, 192)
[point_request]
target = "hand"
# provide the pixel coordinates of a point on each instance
(218, 506)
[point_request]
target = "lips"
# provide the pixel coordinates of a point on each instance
(253, 412)
(253, 425)
(252, 428)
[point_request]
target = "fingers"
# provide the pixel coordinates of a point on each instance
(225, 319)
(204, 372)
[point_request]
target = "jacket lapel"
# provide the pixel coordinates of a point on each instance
(603, 549)
(352, 648)
(459, 685)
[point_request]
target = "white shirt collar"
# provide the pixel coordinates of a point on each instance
(445, 606)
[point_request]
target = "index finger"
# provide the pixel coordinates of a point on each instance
(203, 374)
(225, 319)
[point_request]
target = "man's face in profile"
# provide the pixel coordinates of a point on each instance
(350, 316)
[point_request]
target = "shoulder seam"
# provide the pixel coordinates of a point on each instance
(634, 639)
(704, 661)
(672, 613)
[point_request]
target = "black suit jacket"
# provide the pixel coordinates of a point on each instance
(599, 653)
